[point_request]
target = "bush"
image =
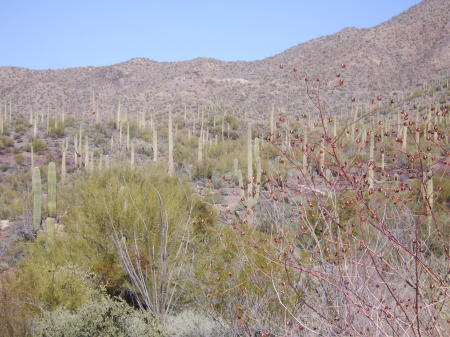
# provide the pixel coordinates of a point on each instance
(58, 131)
(19, 158)
(5, 142)
(99, 318)
(117, 205)
(39, 146)
(21, 125)
(190, 323)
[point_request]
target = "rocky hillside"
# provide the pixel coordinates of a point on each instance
(398, 54)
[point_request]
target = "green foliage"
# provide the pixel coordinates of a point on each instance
(121, 202)
(5, 142)
(234, 275)
(100, 317)
(39, 146)
(47, 280)
(19, 158)
(443, 191)
(191, 323)
(13, 194)
(58, 131)
(21, 125)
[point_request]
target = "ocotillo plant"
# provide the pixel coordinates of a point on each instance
(51, 186)
(37, 197)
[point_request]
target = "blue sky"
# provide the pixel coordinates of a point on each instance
(42, 34)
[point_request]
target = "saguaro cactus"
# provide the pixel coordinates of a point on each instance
(37, 197)
(371, 161)
(132, 155)
(272, 124)
(171, 170)
(128, 135)
(200, 147)
(63, 161)
(249, 157)
(155, 144)
(428, 192)
(32, 157)
(322, 156)
(86, 152)
(305, 148)
(118, 117)
(51, 186)
(405, 137)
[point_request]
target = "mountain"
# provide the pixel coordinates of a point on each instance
(396, 55)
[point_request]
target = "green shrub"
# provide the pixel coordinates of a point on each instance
(5, 142)
(58, 131)
(99, 318)
(21, 125)
(39, 146)
(190, 323)
(19, 158)
(116, 203)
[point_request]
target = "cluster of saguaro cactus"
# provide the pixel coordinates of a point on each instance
(251, 197)
(51, 197)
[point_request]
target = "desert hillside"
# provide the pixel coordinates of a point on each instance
(395, 55)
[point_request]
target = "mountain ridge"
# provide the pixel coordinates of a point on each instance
(390, 57)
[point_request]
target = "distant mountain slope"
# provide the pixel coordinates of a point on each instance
(397, 54)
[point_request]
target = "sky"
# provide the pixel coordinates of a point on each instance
(54, 34)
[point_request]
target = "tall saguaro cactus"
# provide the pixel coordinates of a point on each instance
(200, 147)
(132, 156)
(305, 149)
(249, 156)
(63, 161)
(272, 123)
(118, 117)
(155, 143)
(170, 159)
(51, 186)
(37, 197)
(371, 161)
(322, 156)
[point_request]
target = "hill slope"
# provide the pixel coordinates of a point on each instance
(395, 55)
